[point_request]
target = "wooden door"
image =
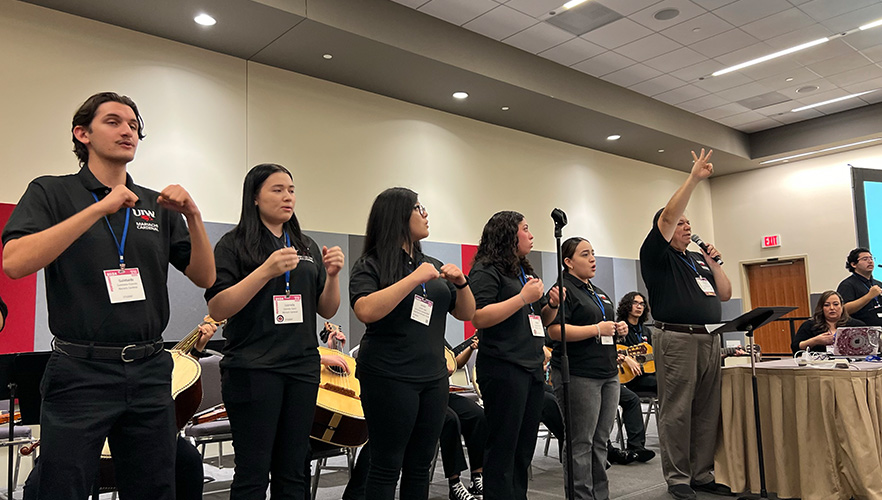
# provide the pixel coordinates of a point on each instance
(778, 283)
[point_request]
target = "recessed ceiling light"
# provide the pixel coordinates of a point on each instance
(807, 89)
(505, 108)
(205, 20)
(666, 14)
(820, 151)
(614, 137)
(460, 95)
(661, 150)
(788, 79)
(831, 101)
(328, 56)
(770, 56)
(696, 29)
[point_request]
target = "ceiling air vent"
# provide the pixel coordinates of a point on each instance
(584, 18)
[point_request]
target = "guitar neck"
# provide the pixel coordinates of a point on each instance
(461, 347)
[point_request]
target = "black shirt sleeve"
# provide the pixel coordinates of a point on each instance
(805, 332)
(226, 262)
(485, 285)
(364, 279)
(179, 242)
(32, 214)
(654, 247)
(3, 312)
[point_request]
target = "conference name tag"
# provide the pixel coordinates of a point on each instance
(536, 326)
(422, 310)
(287, 309)
(606, 340)
(705, 286)
(124, 285)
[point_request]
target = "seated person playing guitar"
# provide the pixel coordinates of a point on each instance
(633, 309)
(464, 417)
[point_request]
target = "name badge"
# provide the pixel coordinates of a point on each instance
(536, 326)
(422, 310)
(287, 309)
(879, 314)
(705, 286)
(124, 285)
(606, 340)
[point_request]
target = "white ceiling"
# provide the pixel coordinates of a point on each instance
(666, 60)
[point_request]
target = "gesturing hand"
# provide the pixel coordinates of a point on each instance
(426, 272)
(333, 260)
(176, 198)
(119, 197)
(532, 290)
(283, 259)
(453, 274)
(701, 166)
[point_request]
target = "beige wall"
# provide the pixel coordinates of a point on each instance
(809, 203)
(210, 117)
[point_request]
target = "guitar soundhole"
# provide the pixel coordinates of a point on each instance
(337, 370)
(640, 359)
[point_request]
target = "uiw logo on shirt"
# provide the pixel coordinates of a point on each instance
(148, 218)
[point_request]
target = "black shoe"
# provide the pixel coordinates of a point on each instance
(617, 456)
(642, 455)
(714, 488)
(681, 492)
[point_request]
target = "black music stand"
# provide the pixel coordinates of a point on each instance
(747, 323)
(20, 375)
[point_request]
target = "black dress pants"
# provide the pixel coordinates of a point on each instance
(404, 422)
(465, 418)
(513, 407)
(130, 404)
(270, 418)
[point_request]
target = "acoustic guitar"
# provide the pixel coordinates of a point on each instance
(186, 384)
(642, 353)
(339, 417)
(450, 360)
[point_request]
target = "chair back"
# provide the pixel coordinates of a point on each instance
(211, 382)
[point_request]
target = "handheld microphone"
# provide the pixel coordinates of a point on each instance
(698, 241)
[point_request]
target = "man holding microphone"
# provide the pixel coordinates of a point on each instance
(686, 290)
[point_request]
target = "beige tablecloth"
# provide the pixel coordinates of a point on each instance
(822, 431)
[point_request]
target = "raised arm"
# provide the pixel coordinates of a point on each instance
(701, 169)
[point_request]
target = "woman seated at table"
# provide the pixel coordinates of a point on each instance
(817, 333)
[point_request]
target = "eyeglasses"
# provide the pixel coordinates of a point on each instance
(421, 209)
(641, 304)
(867, 258)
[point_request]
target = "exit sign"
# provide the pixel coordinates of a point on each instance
(772, 241)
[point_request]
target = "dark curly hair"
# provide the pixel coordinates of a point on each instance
(499, 244)
(86, 113)
(852, 258)
(624, 308)
(818, 319)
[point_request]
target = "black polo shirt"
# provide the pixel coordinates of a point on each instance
(637, 334)
(253, 340)
(76, 295)
(588, 357)
(855, 287)
(396, 345)
(511, 339)
(670, 279)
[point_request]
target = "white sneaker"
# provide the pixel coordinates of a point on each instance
(458, 491)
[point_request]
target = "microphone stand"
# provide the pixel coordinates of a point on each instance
(560, 220)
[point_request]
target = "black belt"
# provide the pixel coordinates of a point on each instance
(126, 354)
(681, 328)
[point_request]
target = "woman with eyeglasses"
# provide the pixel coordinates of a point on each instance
(818, 333)
(403, 297)
(594, 381)
(271, 281)
(510, 317)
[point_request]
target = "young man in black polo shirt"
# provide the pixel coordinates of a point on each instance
(860, 291)
(105, 244)
(685, 289)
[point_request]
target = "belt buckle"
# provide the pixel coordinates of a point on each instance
(122, 354)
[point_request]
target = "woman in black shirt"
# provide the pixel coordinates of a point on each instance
(271, 281)
(817, 333)
(395, 291)
(510, 317)
(594, 382)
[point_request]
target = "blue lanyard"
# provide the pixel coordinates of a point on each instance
(416, 264)
(523, 279)
(596, 300)
(120, 245)
(287, 273)
(689, 263)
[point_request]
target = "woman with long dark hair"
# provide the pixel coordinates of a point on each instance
(510, 317)
(395, 291)
(817, 333)
(271, 281)
(594, 381)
